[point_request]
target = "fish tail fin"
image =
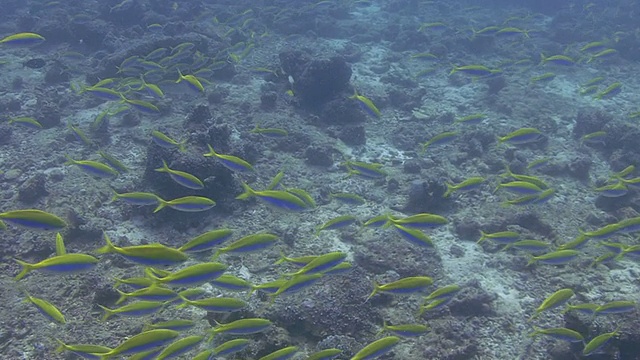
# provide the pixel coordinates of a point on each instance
(282, 259)
(61, 345)
(26, 268)
(109, 247)
(123, 297)
(117, 283)
(253, 289)
(384, 328)
(185, 303)
(450, 189)
(390, 222)
(483, 237)
(79, 89)
(27, 298)
(180, 76)
(148, 272)
(423, 149)
(164, 168)
(211, 151)
(352, 172)
(161, 205)
(248, 192)
(505, 204)
(376, 288)
(107, 312)
(115, 196)
(181, 146)
(272, 299)
(531, 261)
(212, 333)
(69, 161)
(617, 329)
(507, 172)
(216, 255)
(536, 332)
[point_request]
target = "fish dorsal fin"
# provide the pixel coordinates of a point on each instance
(60, 249)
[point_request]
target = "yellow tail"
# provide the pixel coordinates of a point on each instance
(26, 268)
(108, 248)
(162, 205)
(248, 192)
(107, 312)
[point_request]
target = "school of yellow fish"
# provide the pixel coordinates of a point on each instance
(172, 277)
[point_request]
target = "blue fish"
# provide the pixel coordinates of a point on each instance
(414, 236)
(32, 218)
(276, 198)
(296, 284)
(22, 39)
(93, 168)
(231, 347)
(183, 178)
(66, 263)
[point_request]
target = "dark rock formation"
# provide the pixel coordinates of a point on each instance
(33, 189)
(315, 81)
(425, 196)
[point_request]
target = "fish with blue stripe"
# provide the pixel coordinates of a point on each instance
(278, 199)
(93, 168)
(193, 275)
(231, 162)
(34, 219)
(67, 263)
(149, 255)
(206, 241)
(404, 286)
(142, 342)
(183, 178)
(249, 243)
(135, 309)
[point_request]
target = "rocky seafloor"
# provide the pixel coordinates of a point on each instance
(322, 51)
